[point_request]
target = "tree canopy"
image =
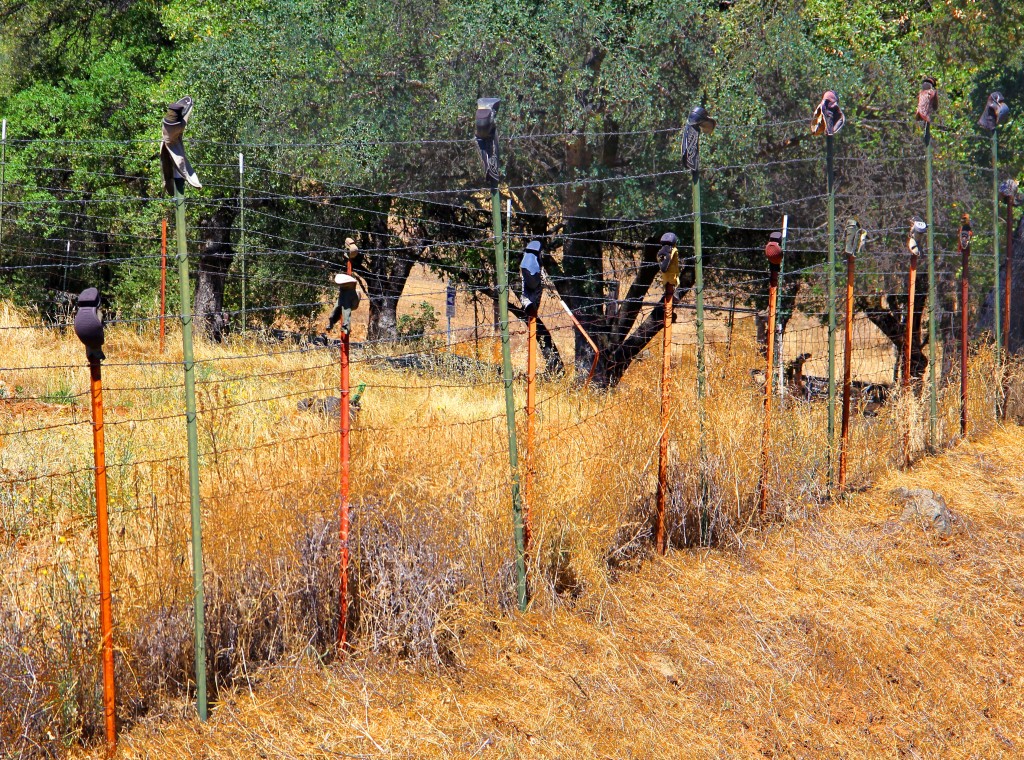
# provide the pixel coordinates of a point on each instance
(355, 119)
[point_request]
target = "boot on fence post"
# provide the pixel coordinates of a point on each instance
(530, 270)
(964, 242)
(996, 114)
(89, 329)
(854, 242)
(828, 120)
(773, 252)
(698, 123)
(487, 142)
(917, 228)
(177, 170)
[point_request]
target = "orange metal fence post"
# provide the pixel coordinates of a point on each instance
(852, 233)
(908, 337)
(965, 256)
(344, 468)
(103, 542)
(774, 253)
(344, 491)
(163, 279)
(1008, 284)
(89, 328)
(668, 263)
(666, 362)
(531, 408)
(1009, 277)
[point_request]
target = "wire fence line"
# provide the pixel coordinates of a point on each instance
(430, 476)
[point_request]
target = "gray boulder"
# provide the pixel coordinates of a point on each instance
(924, 505)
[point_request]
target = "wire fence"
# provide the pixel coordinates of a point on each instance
(430, 478)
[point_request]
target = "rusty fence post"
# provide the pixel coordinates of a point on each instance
(914, 246)
(89, 329)
(533, 291)
(774, 253)
(1009, 272)
(348, 301)
(854, 240)
(531, 409)
(965, 257)
(668, 263)
(666, 363)
(1009, 191)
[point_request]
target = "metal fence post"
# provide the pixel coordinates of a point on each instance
(854, 239)
(997, 322)
(666, 365)
(198, 596)
(531, 410)
(241, 209)
(933, 379)
(3, 174)
(830, 178)
(913, 245)
(89, 328)
(668, 264)
(487, 141)
(176, 169)
(344, 474)
(965, 259)
(1011, 195)
(774, 253)
(1008, 286)
(780, 313)
(163, 279)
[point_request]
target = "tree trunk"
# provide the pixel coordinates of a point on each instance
(386, 273)
(216, 253)
(891, 320)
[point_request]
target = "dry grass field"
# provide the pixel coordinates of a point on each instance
(435, 640)
(849, 634)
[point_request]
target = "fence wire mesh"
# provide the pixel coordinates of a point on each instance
(430, 476)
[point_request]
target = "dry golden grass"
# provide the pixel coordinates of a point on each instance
(850, 635)
(433, 534)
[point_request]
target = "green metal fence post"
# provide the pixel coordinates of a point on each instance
(510, 408)
(933, 400)
(487, 141)
(698, 122)
(241, 210)
(698, 287)
(3, 174)
(199, 611)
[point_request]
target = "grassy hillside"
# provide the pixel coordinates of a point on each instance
(852, 634)
(432, 543)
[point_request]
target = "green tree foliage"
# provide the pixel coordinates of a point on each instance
(332, 102)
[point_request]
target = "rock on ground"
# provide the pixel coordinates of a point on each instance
(927, 505)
